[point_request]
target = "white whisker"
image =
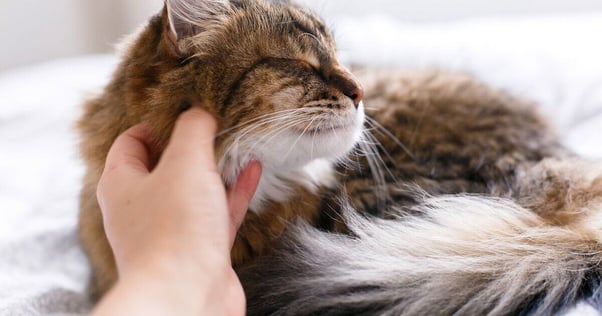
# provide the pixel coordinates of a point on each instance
(300, 136)
(263, 119)
(387, 133)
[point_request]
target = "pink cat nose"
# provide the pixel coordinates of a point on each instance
(345, 82)
(357, 95)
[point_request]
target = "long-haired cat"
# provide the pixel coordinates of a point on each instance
(267, 70)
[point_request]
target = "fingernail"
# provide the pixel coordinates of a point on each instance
(254, 169)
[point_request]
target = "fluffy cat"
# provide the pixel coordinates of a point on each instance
(267, 70)
(527, 243)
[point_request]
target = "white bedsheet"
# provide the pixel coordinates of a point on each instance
(555, 60)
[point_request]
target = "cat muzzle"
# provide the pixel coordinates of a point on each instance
(348, 84)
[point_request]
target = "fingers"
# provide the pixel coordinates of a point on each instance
(191, 146)
(128, 157)
(240, 195)
(127, 160)
(130, 151)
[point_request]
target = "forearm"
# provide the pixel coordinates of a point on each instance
(158, 291)
(173, 284)
(151, 295)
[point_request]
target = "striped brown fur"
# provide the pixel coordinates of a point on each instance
(232, 64)
(479, 208)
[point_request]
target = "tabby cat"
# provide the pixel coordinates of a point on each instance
(356, 214)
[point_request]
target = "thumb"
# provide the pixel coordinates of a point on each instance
(190, 149)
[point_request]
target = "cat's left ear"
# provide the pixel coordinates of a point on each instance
(183, 19)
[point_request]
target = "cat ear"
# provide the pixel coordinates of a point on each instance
(187, 18)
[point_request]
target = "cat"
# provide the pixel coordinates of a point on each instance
(268, 72)
(433, 214)
(486, 213)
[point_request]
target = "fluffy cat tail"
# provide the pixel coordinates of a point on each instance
(462, 256)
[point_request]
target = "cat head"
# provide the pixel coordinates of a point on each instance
(268, 71)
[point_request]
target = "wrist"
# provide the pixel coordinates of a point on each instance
(180, 270)
(174, 262)
(164, 287)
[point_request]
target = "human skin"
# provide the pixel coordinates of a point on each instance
(171, 226)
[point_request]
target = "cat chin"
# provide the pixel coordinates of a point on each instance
(293, 159)
(294, 150)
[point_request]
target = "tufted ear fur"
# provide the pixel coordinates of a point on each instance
(188, 18)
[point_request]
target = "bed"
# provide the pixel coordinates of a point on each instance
(554, 60)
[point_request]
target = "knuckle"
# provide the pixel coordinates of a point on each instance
(104, 183)
(101, 188)
(100, 191)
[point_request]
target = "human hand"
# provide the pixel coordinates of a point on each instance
(175, 225)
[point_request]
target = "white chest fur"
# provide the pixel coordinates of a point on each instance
(291, 159)
(279, 186)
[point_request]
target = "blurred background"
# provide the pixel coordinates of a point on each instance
(53, 54)
(38, 30)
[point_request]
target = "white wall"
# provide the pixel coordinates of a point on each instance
(445, 10)
(30, 29)
(37, 30)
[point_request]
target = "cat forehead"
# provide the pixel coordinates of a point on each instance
(230, 24)
(286, 33)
